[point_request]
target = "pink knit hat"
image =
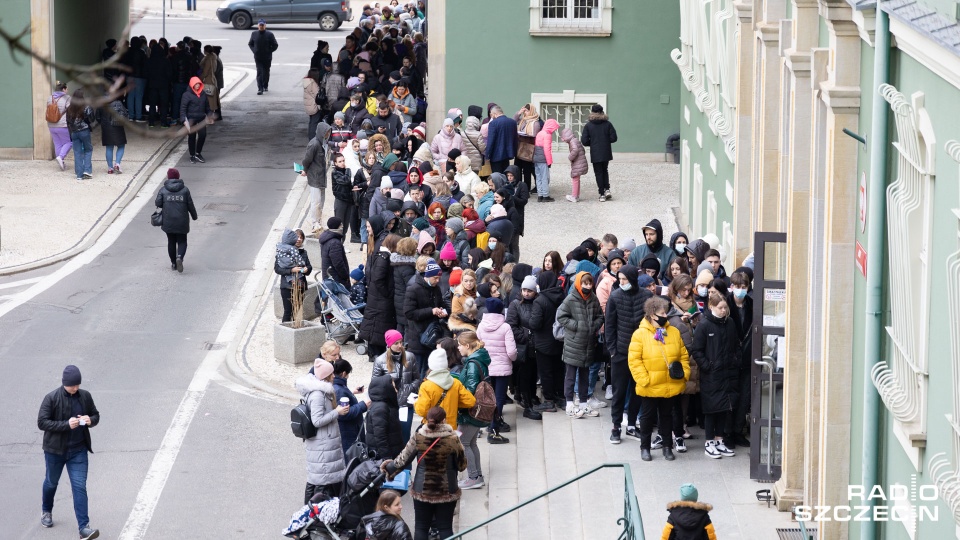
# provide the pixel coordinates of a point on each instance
(448, 253)
(391, 337)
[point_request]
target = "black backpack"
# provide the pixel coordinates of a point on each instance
(301, 423)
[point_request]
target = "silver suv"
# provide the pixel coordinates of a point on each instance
(330, 14)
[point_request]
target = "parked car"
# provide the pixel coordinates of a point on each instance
(330, 14)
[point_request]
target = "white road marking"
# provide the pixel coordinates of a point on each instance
(149, 495)
(238, 88)
(21, 283)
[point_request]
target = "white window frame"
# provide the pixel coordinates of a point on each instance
(601, 26)
(567, 97)
(902, 375)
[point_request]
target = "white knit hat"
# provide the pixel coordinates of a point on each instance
(437, 360)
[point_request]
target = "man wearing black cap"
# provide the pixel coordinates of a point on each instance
(599, 134)
(262, 43)
(66, 416)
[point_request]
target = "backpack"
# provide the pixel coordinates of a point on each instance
(482, 239)
(301, 423)
(421, 115)
(486, 404)
(53, 113)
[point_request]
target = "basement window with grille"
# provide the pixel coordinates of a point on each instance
(584, 18)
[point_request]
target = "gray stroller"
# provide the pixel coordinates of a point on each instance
(341, 318)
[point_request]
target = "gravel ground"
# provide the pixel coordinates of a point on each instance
(643, 187)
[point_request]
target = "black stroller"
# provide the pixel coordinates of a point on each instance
(359, 492)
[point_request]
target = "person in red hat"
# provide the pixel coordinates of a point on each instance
(176, 204)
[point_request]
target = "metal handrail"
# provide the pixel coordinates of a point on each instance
(631, 521)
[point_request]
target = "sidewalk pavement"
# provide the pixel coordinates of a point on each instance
(47, 216)
(544, 454)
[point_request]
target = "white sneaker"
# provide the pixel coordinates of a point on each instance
(586, 410)
(609, 394)
(723, 450)
(571, 408)
(571, 198)
(595, 403)
(710, 449)
(60, 162)
(679, 445)
(656, 443)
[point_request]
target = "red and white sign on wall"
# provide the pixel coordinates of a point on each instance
(861, 256)
(862, 199)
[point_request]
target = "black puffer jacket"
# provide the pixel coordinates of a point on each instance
(404, 268)
(54, 420)
(502, 229)
(381, 526)
(542, 317)
(177, 206)
(333, 258)
(518, 317)
(520, 194)
(623, 316)
(379, 315)
(599, 135)
(689, 519)
(418, 306)
(384, 434)
(342, 185)
(193, 107)
(716, 350)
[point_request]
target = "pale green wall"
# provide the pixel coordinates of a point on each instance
(715, 182)
(15, 85)
(492, 57)
(943, 106)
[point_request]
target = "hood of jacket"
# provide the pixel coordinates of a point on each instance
(397, 259)
(492, 321)
(387, 217)
(598, 118)
(480, 355)
(520, 271)
(441, 378)
(632, 274)
(323, 132)
(514, 170)
(411, 205)
(699, 248)
(289, 237)
(173, 184)
(194, 81)
(308, 383)
(376, 224)
(546, 280)
(473, 123)
(550, 126)
(676, 236)
(499, 180)
(330, 234)
(567, 135)
(382, 390)
(655, 225)
(424, 240)
(690, 517)
(578, 285)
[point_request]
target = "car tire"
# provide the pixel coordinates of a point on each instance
(241, 20)
(328, 22)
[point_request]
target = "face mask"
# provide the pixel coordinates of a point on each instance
(739, 294)
(681, 247)
(701, 290)
(585, 289)
(626, 287)
(661, 320)
(492, 244)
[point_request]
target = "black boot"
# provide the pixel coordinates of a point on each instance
(532, 414)
(645, 454)
(668, 454)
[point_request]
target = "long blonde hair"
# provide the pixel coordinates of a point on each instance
(389, 357)
(470, 339)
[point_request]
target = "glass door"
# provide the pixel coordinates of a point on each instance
(766, 377)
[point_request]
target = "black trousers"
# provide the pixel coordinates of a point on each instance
(716, 424)
(346, 211)
(650, 409)
(286, 296)
(602, 175)
(526, 170)
(551, 370)
(440, 515)
(176, 246)
(742, 406)
(196, 139)
(499, 166)
(373, 351)
(331, 490)
(526, 372)
(623, 386)
(679, 415)
(263, 74)
(158, 100)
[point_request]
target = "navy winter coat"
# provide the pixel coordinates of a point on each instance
(349, 423)
(502, 139)
(177, 206)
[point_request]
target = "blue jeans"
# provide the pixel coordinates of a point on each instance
(135, 98)
(543, 179)
(500, 389)
(82, 152)
(363, 230)
(593, 377)
(110, 155)
(76, 464)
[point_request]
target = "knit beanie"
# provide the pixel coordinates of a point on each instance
(322, 368)
(629, 245)
(704, 267)
(597, 108)
(71, 373)
(705, 277)
(688, 492)
(391, 337)
(529, 283)
(339, 115)
(433, 269)
(334, 223)
(389, 160)
(394, 205)
(385, 183)
(419, 133)
(494, 305)
(421, 224)
(357, 273)
(483, 290)
(498, 211)
(448, 253)
(456, 275)
(437, 360)
(644, 281)
(455, 224)
(454, 154)
(455, 210)
(398, 195)
(173, 173)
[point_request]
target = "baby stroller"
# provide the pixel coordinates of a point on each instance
(359, 492)
(341, 319)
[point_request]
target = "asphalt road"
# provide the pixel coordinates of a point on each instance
(138, 331)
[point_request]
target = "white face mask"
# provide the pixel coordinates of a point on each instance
(492, 244)
(626, 287)
(681, 247)
(702, 291)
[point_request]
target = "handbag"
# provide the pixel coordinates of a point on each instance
(359, 450)
(156, 218)
(675, 368)
(431, 334)
(209, 89)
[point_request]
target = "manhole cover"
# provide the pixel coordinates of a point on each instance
(225, 207)
(208, 346)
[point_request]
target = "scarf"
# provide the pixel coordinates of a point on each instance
(660, 335)
(441, 378)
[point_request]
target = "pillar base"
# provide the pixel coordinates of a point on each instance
(786, 497)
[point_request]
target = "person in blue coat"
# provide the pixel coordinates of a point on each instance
(351, 422)
(502, 139)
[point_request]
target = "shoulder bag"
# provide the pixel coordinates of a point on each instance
(675, 368)
(156, 218)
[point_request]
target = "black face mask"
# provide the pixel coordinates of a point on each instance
(661, 320)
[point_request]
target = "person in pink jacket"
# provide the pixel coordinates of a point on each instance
(443, 143)
(543, 159)
(497, 337)
(578, 161)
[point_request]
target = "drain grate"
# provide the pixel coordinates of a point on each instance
(797, 534)
(225, 207)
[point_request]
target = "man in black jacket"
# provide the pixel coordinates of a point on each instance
(422, 306)
(599, 134)
(66, 416)
(262, 43)
(548, 350)
(623, 315)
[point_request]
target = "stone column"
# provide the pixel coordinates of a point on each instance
(437, 67)
(796, 182)
(766, 129)
(41, 75)
(743, 217)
